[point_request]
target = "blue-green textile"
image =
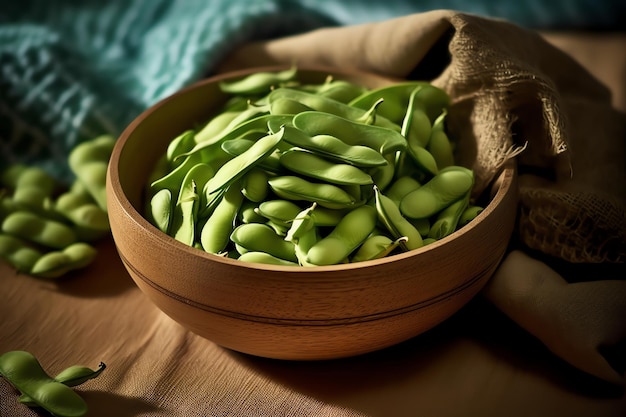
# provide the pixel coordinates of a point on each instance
(72, 69)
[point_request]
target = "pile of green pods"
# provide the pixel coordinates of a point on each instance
(299, 174)
(48, 229)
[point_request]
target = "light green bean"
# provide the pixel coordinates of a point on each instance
(291, 187)
(58, 263)
(32, 227)
(345, 238)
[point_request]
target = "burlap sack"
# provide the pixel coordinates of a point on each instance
(514, 96)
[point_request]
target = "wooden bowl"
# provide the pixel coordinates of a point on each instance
(298, 313)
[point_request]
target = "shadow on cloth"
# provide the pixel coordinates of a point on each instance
(380, 376)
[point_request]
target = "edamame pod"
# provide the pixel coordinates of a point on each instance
(416, 126)
(390, 216)
(423, 159)
(381, 139)
(187, 208)
(305, 242)
(89, 220)
(179, 145)
(333, 148)
(162, 209)
(439, 144)
(372, 248)
(279, 211)
(258, 82)
(256, 237)
(18, 253)
(247, 213)
(326, 195)
(239, 165)
(302, 223)
(254, 185)
(215, 126)
(329, 105)
(470, 214)
(58, 263)
(72, 377)
(401, 187)
(215, 234)
(346, 237)
(33, 188)
(89, 161)
(265, 258)
(310, 165)
(340, 90)
(439, 192)
(22, 370)
(257, 123)
(32, 227)
(396, 97)
(448, 219)
(286, 105)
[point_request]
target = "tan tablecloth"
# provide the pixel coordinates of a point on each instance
(478, 363)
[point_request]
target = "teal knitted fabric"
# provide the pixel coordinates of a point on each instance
(71, 70)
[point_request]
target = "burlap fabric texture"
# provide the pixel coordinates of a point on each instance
(514, 95)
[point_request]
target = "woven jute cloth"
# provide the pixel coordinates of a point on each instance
(514, 96)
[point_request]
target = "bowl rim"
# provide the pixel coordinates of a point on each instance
(505, 177)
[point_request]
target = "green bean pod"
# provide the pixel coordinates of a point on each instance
(396, 97)
(32, 227)
(346, 237)
(329, 105)
(18, 252)
(304, 243)
(469, 214)
(374, 247)
(89, 220)
(179, 145)
(423, 159)
(255, 237)
(265, 258)
(326, 195)
(187, 208)
(162, 210)
(401, 187)
(259, 82)
(72, 377)
(333, 148)
(89, 161)
(416, 126)
(390, 216)
(22, 370)
(381, 139)
(234, 169)
(340, 90)
(216, 231)
(254, 185)
(279, 211)
(439, 144)
(215, 126)
(257, 123)
(33, 188)
(286, 105)
(313, 166)
(448, 219)
(302, 223)
(439, 192)
(58, 263)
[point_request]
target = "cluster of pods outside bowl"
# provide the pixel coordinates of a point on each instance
(285, 312)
